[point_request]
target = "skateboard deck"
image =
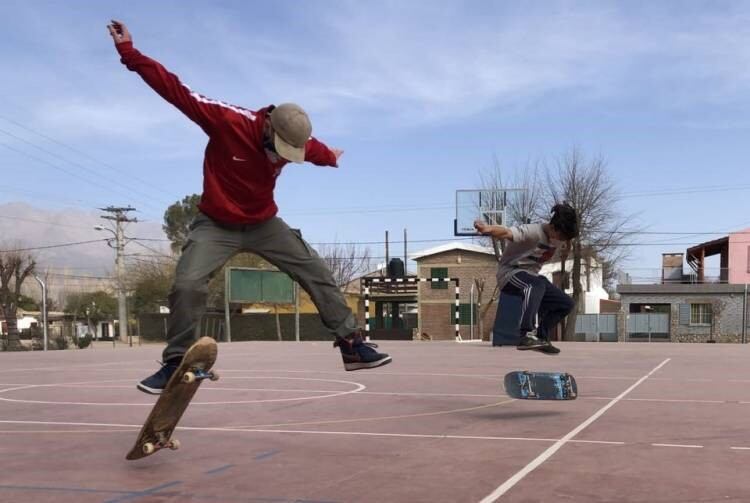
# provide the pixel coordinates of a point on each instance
(157, 431)
(541, 385)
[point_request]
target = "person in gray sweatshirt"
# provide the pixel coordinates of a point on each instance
(543, 305)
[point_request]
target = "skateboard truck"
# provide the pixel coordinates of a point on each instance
(171, 443)
(526, 386)
(199, 375)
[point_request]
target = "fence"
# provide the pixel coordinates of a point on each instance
(648, 327)
(596, 327)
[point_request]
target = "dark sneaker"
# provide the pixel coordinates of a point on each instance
(548, 348)
(156, 383)
(358, 354)
(529, 341)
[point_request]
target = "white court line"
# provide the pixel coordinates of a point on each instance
(740, 448)
(89, 385)
(91, 366)
(357, 388)
(685, 446)
(666, 400)
(515, 479)
(313, 432)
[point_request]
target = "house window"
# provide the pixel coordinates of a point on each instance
(700, 314)
(439, 272)
(464, 314)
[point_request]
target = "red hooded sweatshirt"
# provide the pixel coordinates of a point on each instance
(238, 177)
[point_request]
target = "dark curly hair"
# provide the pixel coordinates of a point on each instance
(565, 220)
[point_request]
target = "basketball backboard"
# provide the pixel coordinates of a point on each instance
(487, 205)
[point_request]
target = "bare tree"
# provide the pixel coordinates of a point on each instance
(521, 205)
(481, 284)
(15, 266)
(346, 261)
(586, 186)
(524, 197)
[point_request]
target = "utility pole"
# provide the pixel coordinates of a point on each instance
(120, 217)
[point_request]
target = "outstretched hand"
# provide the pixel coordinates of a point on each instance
(482, 227)
(119, 32)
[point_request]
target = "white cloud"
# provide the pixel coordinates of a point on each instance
(387, 64)
(400, 64)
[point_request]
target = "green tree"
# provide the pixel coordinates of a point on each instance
(177, 220)
(27, 303)
(92, 306)
(149, 284)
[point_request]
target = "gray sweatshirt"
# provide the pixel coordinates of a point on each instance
(529, 250)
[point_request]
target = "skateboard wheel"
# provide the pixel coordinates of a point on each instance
(214, 376)
(174, 444)
(149, 448)
(188, 377)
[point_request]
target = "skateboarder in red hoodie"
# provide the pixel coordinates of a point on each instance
(246, 152)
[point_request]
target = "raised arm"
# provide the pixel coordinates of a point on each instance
(496, 231)
(318, 153)
(201, 110)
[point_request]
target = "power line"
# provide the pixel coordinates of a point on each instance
(77, 276)
(47, 196)
(74, 163)
(61, 245)
(73, 149)
(22, 219)
(157, 252)
(685, 190)
(68, 172)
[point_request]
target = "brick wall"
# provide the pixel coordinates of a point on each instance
(436, 306)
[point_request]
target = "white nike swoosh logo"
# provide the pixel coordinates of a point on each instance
(235, 158)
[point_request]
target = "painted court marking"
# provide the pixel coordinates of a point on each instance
(536, 462)
(115, 427)
(357, 387)
(684, 446)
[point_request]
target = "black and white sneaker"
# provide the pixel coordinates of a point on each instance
(155, 384)
(358, 354)
(529, 341)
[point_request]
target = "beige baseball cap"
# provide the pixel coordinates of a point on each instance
(292, 129)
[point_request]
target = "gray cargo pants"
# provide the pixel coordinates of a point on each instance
(208, 248)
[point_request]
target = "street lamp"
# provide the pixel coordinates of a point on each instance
(44, 308)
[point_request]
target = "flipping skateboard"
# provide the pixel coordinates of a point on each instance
(157, 431)
(541, 385)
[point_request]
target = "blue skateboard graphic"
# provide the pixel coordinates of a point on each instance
(528, 385)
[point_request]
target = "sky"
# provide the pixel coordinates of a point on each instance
(423, 96)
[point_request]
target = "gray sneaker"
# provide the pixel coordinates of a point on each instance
(548, 348)
(529, 341)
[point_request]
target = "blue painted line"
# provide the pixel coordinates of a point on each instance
(218, 470)
(139, 494)
(62, 489)
(265, 455)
